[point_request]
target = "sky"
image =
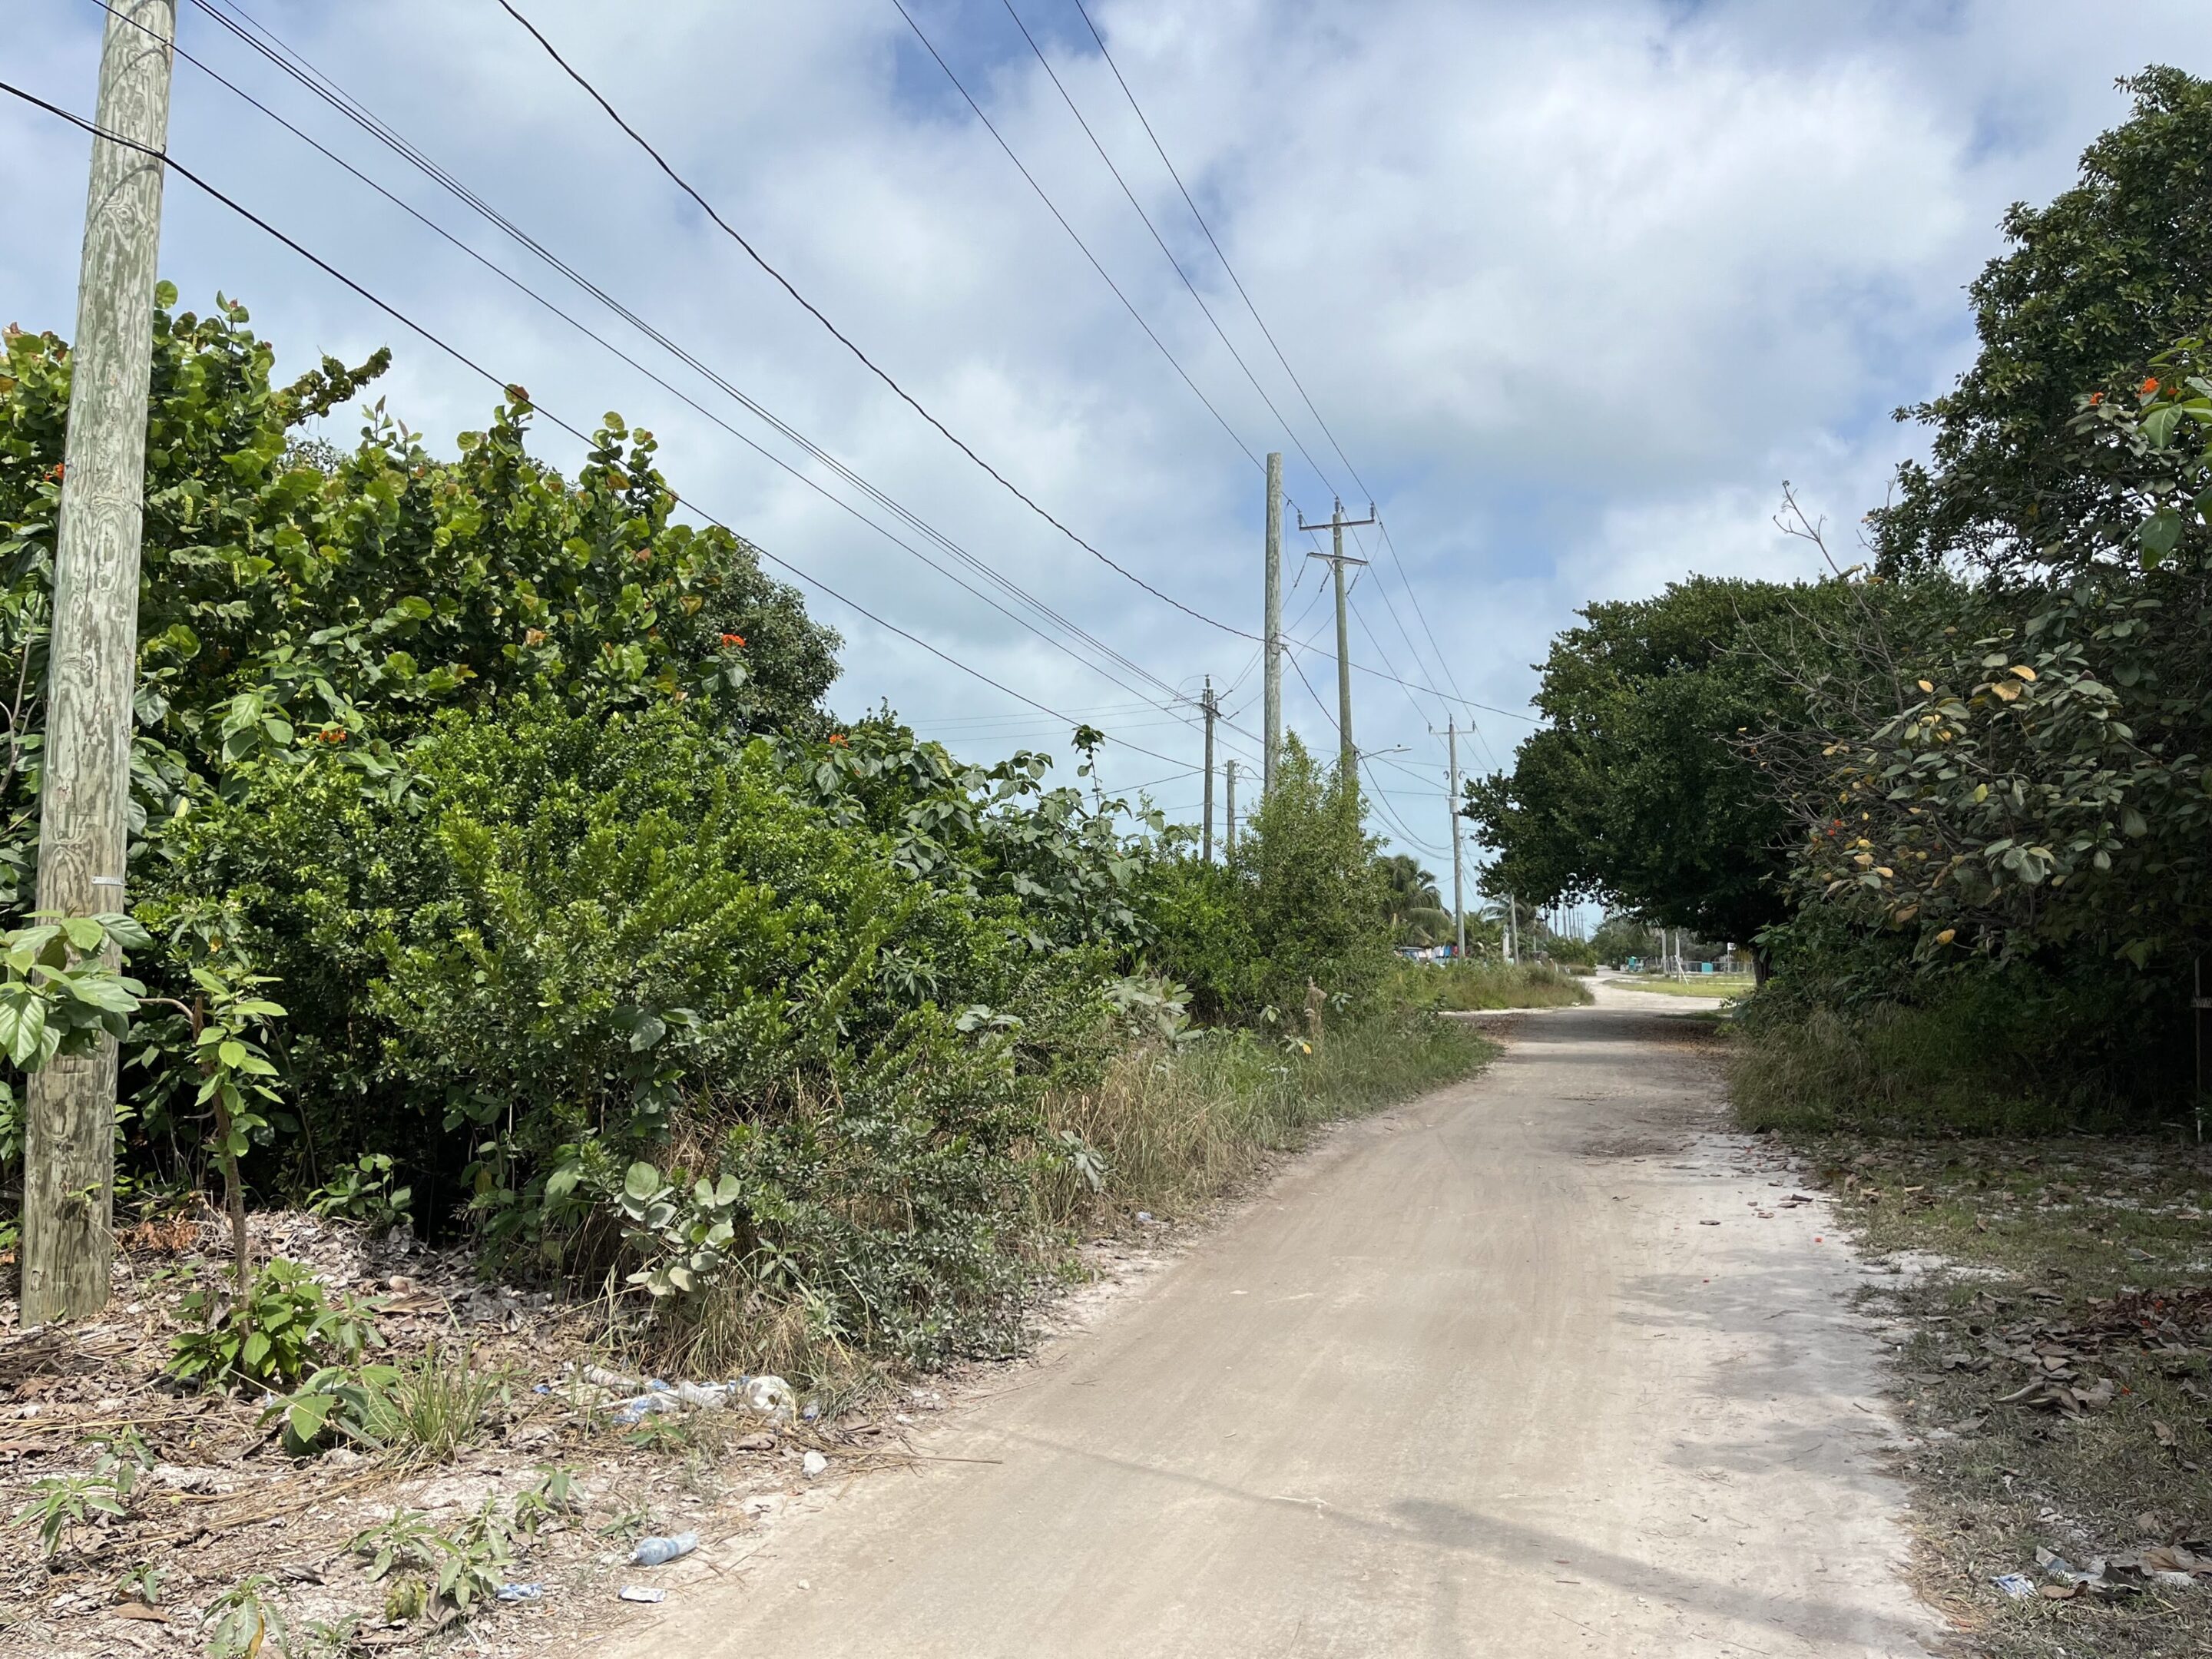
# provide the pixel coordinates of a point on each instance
(1567, 291)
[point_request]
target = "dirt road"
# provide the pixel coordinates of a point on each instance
(1475, 1378)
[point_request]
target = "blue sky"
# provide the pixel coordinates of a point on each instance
(1576, 286)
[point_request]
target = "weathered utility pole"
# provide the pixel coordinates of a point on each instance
(1513, 923)
(1336, 560)
(1229, 841)
(1271, 675)
(69, 1149)
(1459, 908)
(1212, 709)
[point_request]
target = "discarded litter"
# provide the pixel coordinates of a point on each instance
(2018, 1585)
(815, 1464)
(522, 1592)
(642, 1593)
(653, 1551)
(771, 1396)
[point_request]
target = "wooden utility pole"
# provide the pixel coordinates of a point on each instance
(69, 1154)
(1229, 840)
(1270, 675)
(1212, 709)
(1337, 524)
(1459, 907)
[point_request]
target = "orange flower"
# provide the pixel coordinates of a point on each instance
(333, 734)
(56, 475)
(733, 639)
(836, 736)
(2149, 385)
(2096, 397)
(533, 636)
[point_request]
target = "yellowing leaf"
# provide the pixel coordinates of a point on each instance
(2023, 671)
(2006, 690)
(1927, 685)
(1946, 936)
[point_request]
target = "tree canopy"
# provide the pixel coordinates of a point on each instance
(1638, 794)
(2097, 283)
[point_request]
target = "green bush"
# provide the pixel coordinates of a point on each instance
(278, 1331)
(1848, 1035)
(1305, 901)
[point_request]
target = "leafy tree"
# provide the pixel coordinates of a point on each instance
(2096, 283)
(1317, 904)
(294, 598)
(2036, 776)
(1637, 794)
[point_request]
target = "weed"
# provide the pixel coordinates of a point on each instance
(460, 1569)
(123, 1457)
(1171, 1128)
(334, 1401)
(245, 1617)
(332, 1638)
(629, 1526)
(142, 1583)
(554, 1496)
(70, 1503)
(278, 1332)
(363, 1191)
(1467, 985)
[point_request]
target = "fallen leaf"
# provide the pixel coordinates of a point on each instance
(2165, 1435)
(140, 1610)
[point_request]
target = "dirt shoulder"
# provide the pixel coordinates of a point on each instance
(2049, 1327)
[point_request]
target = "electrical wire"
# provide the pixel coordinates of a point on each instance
(1221, 253)
(1066, 98)
(339, 99)
(846, 340)
(514, 392)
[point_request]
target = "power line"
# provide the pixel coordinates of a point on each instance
(514, 392)
(845, 339)
(322, 87)
(336, 97)
(1221, 253)
(1053, 207)
(1169, 254)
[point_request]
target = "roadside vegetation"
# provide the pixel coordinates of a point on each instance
(1954, 797)
(1474, 986)
(505, 886)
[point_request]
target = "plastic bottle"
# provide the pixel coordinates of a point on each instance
(654, 1552)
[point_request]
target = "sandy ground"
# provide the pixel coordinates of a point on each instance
(1475, 1378)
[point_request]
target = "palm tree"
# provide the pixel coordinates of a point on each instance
(1416, 910)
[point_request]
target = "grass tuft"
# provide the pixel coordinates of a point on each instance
(438, 1404)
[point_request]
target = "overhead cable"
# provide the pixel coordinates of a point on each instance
(510, 389)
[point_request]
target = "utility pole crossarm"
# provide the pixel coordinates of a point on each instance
(1336, 559)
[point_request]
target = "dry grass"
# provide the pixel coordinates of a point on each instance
(2077, 1262)
(1176, 1129)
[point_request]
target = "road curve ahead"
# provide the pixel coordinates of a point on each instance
(1475, 1378)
